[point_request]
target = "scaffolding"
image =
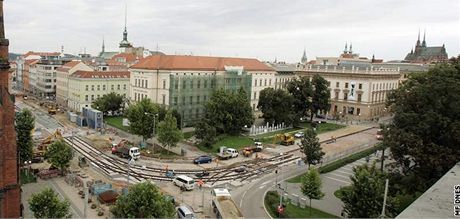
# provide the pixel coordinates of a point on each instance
(189, 93)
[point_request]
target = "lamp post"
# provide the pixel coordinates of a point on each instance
(154, 123)
(130, 161)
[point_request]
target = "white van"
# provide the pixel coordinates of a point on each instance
(233, 152)
(185, 182)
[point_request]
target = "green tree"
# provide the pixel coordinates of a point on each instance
(228, 112)
(25, 122)
(206, 133)
(59, 154)
(320, 96)
(302, 91)
(141, 116)
(162, 114)
(109, 102)
(46, 204)
(364, 198)
(311, 185)
(168, 133)
(277, 106)
(311, 147)
(143, 201)
(424, 137)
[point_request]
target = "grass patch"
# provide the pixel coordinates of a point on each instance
(237, 142)
(339, 192)
(339, 163)
(27, 177)
(117, 122)
(188, 135)
(271, 202)
(159, 152)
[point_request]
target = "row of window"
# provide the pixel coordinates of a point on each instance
(141, 83)
(345, 96)
(385, 86)
(139, 97)
(198, 100)
(97, 96)
(98, 87)
(282, 80)
(337, 85)
(191, 84)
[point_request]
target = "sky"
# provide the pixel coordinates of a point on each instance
(262, 29)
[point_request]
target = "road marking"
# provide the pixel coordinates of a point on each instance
(261, 187)
(347, 168)
(265, 183)
(335, 174)
(344, 172)
(337, 180)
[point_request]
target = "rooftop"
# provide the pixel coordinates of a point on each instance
(101, 74)
(437, 201)
(197, 63)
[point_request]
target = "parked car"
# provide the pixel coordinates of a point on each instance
(185, 211)
(202, 174)
(202, 159)
(299, 135)
(241, 169)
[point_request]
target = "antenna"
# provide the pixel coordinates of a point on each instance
(126, 14)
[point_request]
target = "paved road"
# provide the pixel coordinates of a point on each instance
(41, 118)
(250, 197)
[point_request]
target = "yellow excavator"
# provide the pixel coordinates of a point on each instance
(286, 139)
(48, 140)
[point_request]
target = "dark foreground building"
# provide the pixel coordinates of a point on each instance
(9, 183)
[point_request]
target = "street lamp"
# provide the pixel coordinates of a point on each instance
(27, 163)
(154, 117)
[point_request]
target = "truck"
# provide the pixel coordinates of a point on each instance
(286, 139)
(247, 151)
(223, 205)
(126, 152)
(227, 153)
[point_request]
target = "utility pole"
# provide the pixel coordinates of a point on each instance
(384, 199)
(85, 191)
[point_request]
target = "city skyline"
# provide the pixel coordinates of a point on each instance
(259, 29)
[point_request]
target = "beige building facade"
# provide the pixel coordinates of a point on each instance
(185, 83)
(356, 93)
(86, 86)
(62, 79)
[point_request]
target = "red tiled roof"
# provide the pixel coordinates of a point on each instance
(205, 63)
(101, 74)
(67, 66)
(129, 57)
(111, 62)
(30, 61)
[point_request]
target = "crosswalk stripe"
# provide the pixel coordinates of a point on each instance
(337, 180)
(345, 172)
(335, 174)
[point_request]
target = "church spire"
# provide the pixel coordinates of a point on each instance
(125, 43)
(418, 39)
(424, 42)
(351, 48)
(103, 45)
(304, 56)
(346, 48)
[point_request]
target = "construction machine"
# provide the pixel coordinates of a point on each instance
(286, 139)
(50, 139)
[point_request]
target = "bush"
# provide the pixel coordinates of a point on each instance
(93, 206)
(344, 161)
(272, 200)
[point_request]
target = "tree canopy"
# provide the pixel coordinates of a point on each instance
(109, 102)
(205, 132)
(168, 133)
(277, 106)
(311, 185)
(311, 147)
(229, 111)
(25, 123)
(143, 201)
(302, 91)
(142, 116)
(320, 96)
(424, 137)
(59, 154)
(364, 198)
(46, 204)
